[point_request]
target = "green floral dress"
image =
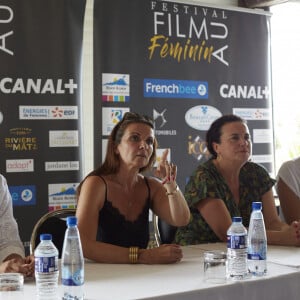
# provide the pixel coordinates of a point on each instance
(207, 182)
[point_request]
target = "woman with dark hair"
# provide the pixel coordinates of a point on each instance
(114, 200)
(226, 185)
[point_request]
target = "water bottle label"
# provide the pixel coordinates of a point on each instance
(256, 256)
(236, 241)
(46, 264)
(75, 279)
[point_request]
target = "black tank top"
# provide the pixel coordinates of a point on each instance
(115, 229)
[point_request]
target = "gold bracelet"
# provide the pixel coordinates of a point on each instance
(173, 192)
(133, 254)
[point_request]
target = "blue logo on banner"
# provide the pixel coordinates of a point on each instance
(160, 88)
(23, 195)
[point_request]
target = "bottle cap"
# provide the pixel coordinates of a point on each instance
(256, 205)
(236, 219)
(46, 237)
(71, 221)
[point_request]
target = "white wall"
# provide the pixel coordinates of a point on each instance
(87, 95)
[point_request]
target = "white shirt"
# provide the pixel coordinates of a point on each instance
(10, 241)
(289, 172)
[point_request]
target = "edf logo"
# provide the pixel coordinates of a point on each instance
(160, 88)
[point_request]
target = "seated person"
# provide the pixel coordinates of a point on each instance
(11, 249)
(114, 200)
(288, 190)
(226, 185)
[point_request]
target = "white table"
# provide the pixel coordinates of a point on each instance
(184, 280)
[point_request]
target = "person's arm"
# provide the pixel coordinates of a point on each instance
(289, 202)
(216, 215)
(18, 264)
(168, 201)
(10, 240)
(278, 232)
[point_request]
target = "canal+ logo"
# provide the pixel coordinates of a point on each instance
(161, 88)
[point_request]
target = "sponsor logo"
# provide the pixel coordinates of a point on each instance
(200, 117)
(159, 117)
(115, 87)
(20, 140)
(261, 136)
(37, 86)
(264, 158)
(61, 166)
(19, 165)
(244, 92)
(160, 121)
(111, 116)
(63, 138)
(197, 148)
(48, 112)
(253, 113)
(62, 194)
(163, 88)
(23, 195)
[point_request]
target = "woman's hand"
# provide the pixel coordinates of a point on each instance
(164, 254)
(29, 264)
(288, 235)
(166, 171)
(296, 232)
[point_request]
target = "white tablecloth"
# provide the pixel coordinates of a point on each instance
(184, 280)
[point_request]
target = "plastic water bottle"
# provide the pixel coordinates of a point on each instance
(72, 263)
(257, 242)
(236, 250)
(46, 268)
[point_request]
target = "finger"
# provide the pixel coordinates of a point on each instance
(174, 171)
(165, 154)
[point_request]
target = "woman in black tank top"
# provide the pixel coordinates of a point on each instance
(114, 200)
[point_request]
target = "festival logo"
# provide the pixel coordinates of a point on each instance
(188, 33)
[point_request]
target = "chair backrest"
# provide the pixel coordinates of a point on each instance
(164, 233)
(53, 222)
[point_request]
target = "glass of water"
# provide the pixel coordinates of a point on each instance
(215, 266)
